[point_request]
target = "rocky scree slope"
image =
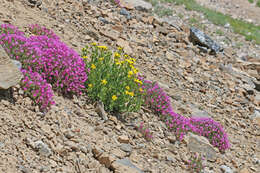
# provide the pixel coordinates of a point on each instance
(71, 137)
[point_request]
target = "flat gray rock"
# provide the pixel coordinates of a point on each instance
(125, 165)
(140, 5)
(10, 75)
(200, 144)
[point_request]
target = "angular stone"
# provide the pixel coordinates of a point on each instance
(200, 38)
(201, 145)
(42, 148)
(125, 165)
(124, 12)
(123, 139)
(10, 75)
(126, 147)
(101, 111)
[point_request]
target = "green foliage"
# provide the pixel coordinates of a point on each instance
(219, 32)
(251, 1)
(112, 79)
(153, 2)
(162, 11)
(258, 3)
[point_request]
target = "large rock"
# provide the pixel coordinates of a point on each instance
(200, 38)
(10, 74)
(137, 4)
(201, 145)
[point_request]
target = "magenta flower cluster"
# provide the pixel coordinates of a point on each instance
(158, 100)
(57, 64)
(39, 30)
(36, 87)
(145, 131)
(118, 2)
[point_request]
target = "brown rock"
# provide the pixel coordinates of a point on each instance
(123, 139)
(150, 19)
(112, 34)
(106, 159)
(118, 28)
(97, 151)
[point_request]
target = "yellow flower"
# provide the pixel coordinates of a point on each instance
(118, 63)
(130, 73)
(126, 55)
(102, 47)
(138, 81)
(119, 48)
(93, 66)
(84, 57)
(117, 54)
(93, 44)
(90, 85)
(131, 94)
(141, 89)
(114, 97)
(127, 87)
(104, 81)
(101, 59)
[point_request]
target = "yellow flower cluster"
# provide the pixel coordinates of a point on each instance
(102, 47)
(101, 59)
(118, 62)
(129, 93)
(130, 73)
(138, 81)
(84, 57)
(130, 61)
